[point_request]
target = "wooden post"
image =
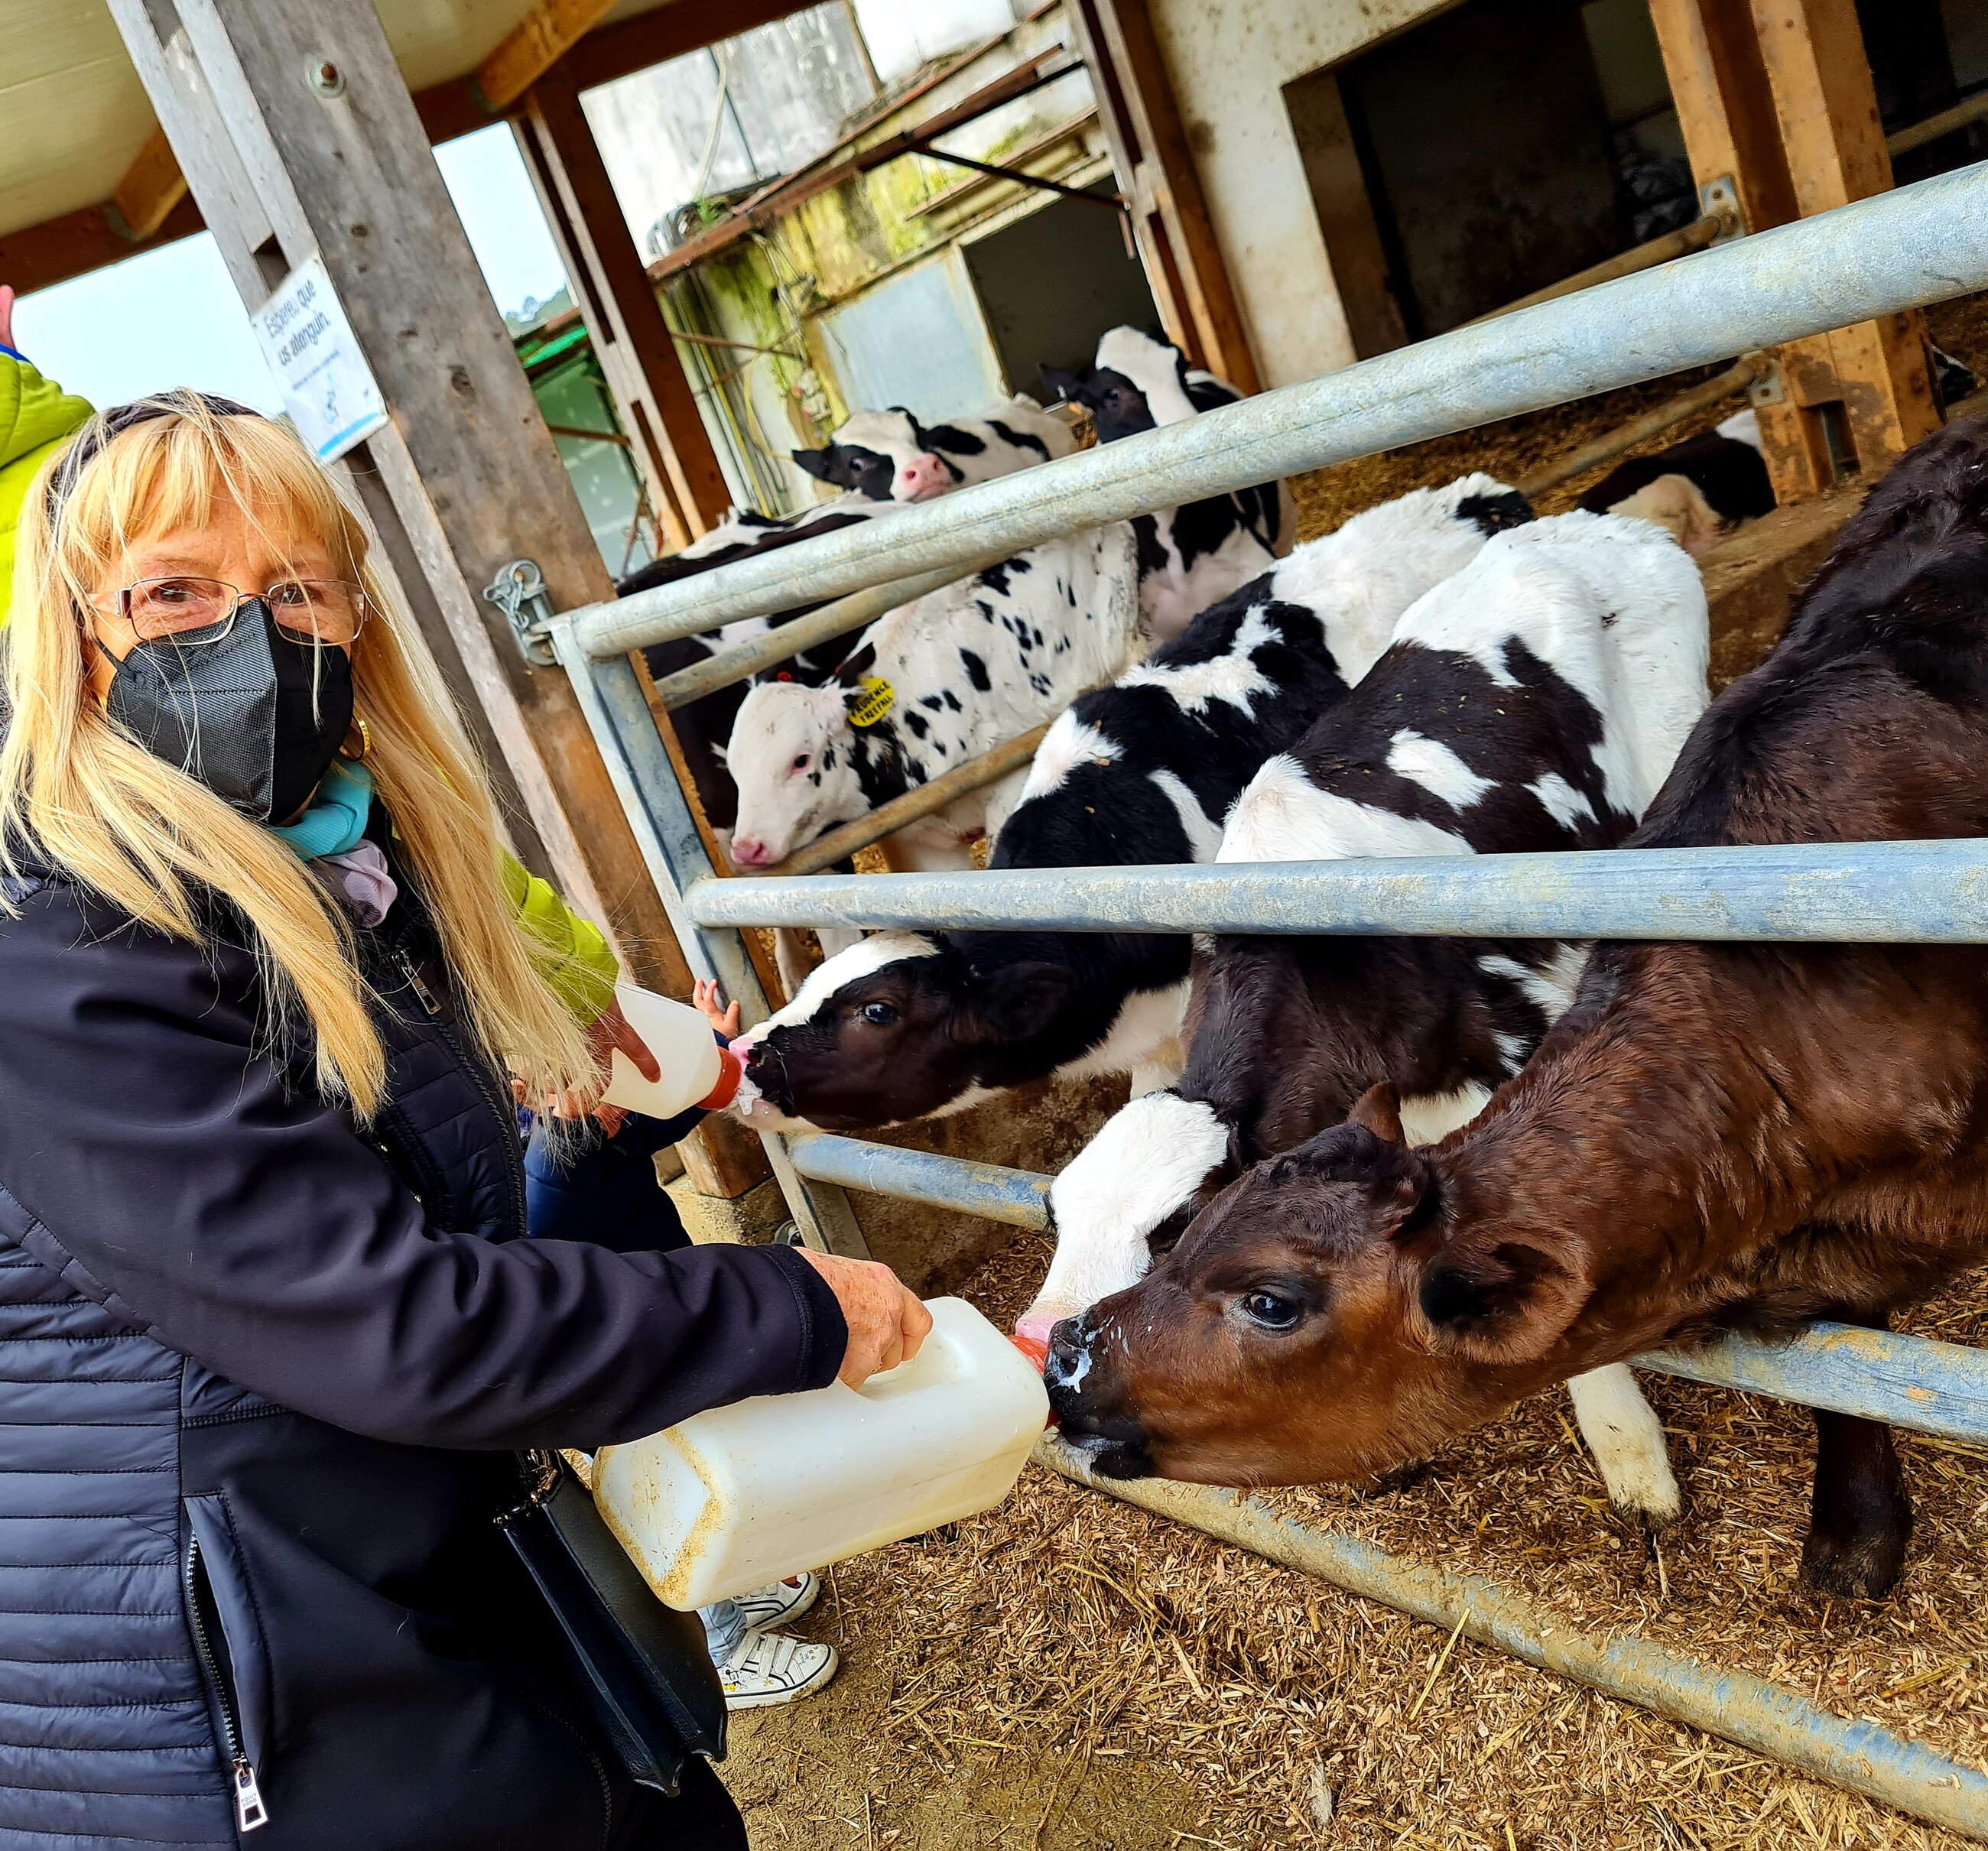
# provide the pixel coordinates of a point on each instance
(296, 132)
(1776, 97)
(1827, 108)
(1156, 173)
(618, 304)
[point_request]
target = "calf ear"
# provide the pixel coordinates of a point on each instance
(1059, 382)
(1024, 999)
(1378, 1109)
(819, 464)
(1496, 1299)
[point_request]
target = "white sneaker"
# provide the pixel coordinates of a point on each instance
(775, 1605)
(771, 1668)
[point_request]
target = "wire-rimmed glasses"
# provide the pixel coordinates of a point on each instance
(188, 611)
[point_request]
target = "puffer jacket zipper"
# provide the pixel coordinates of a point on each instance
(479, 1077)
(250, 1813)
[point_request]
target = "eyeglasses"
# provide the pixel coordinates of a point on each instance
(192, 611)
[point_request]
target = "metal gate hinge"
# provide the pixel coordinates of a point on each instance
(1769, 387)
(519, 590)
(1720, 199)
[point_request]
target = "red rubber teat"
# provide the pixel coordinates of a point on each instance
(1038, 1352)
(730, 1071)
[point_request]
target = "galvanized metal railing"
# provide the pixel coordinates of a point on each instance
(1902, 250)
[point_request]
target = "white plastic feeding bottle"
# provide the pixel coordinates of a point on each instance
(734, 1498)
(696, 1071)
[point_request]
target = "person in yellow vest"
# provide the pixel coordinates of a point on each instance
(37, 417)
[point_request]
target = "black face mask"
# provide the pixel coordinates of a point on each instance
(257, 717)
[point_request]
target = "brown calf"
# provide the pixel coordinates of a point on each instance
(1715, 1137)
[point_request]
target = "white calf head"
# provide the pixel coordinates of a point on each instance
(886, 455)
(1148, 1164)
(789, 756)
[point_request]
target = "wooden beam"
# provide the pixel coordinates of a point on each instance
(1777, 96)
(667, 31)
(1725, 104)
(1156, 172)
(533, 46)
(1825, 101)
(57, 250)
(1826, 104)
(618, 302)
(152, 186)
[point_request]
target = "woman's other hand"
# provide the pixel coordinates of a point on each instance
(6, 316)
(886, 1323)
(608, 1031)
(708, 996)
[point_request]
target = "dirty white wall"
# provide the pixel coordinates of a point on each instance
(1229, 60)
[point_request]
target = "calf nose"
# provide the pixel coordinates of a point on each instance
(925, 476)
(750, 852)
(1034, 1327)
(1069, 1354)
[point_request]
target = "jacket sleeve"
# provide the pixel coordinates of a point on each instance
(246, 1224)
(583, 969)
(36, 417)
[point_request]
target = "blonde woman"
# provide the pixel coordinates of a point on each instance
(267, 1341)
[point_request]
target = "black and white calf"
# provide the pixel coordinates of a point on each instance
(889, 456)
(1698, 490)
(1535, 701)
(929, 687)
(1013, 436)
(1191, 556)
(907, 1025)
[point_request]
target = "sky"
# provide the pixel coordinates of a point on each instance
(170, 317)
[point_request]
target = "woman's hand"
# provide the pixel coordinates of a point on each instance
(608, 1031)
(886, 1323)
(707, 996)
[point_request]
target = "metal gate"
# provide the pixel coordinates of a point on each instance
(1898, 251)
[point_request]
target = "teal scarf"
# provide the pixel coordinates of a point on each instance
(337, 819)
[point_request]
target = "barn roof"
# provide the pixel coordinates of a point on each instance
(77, 116)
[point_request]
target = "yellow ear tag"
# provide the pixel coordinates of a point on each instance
(879, 697)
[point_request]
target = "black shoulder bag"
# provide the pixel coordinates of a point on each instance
(647, 1668)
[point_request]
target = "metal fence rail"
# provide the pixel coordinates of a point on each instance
(1901, 250)
(1900, 892)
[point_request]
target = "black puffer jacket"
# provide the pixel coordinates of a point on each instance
(260, 1375)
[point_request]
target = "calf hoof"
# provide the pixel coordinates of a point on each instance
(1861, 1517)
(1656, 1510)
(1859, 1563)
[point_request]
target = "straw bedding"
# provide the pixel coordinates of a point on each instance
(1066, 1640)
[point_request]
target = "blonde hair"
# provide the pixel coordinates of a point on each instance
(150, 839)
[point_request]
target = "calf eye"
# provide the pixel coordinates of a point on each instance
(878, 1015)
(800, 764)
(1269, 1310)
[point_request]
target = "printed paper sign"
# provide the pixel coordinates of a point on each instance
(327, 386)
